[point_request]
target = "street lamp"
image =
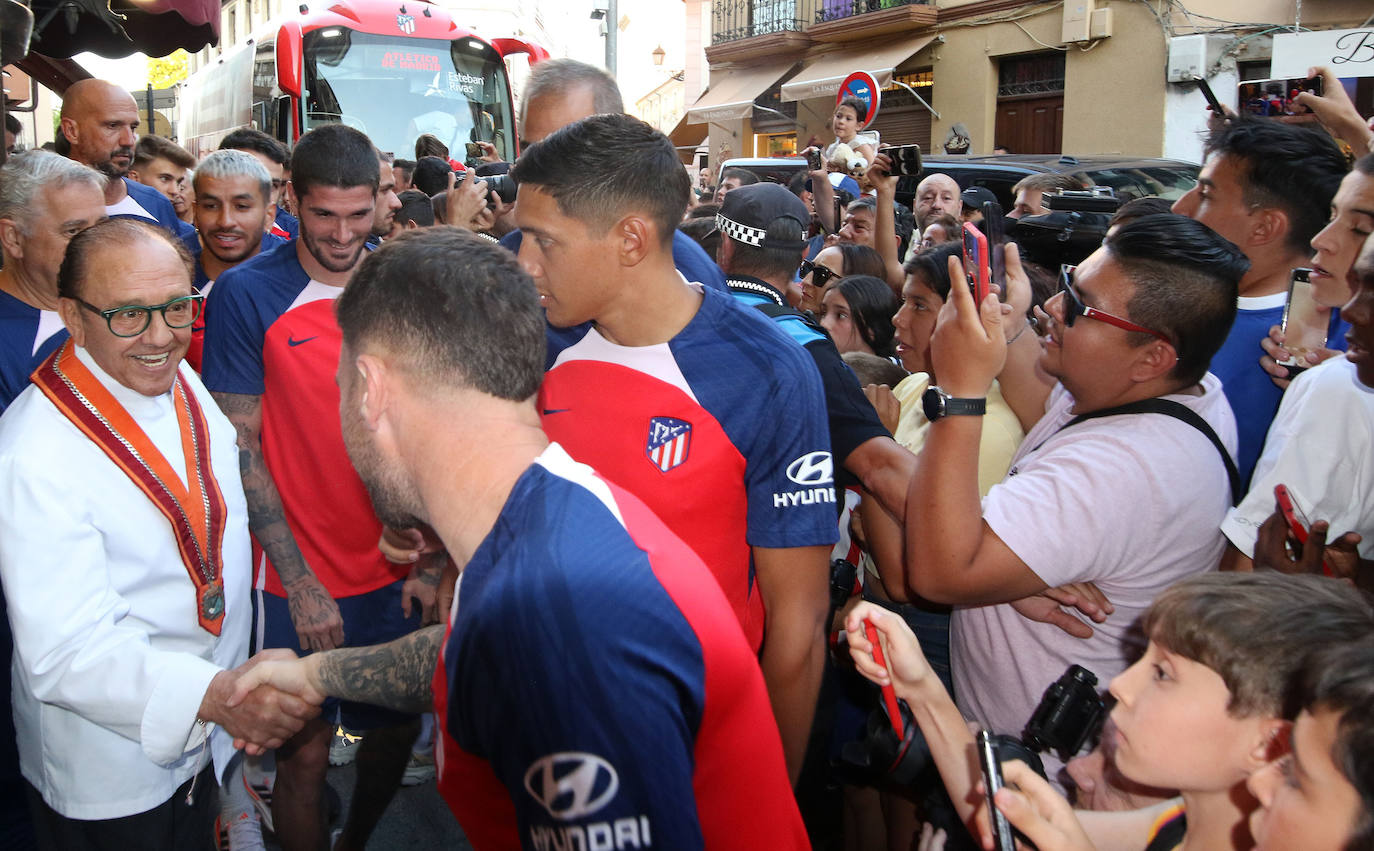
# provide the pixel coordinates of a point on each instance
(658, 55)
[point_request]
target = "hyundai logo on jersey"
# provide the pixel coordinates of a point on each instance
(406, 23)
(572, 785)
(815, 472)
(668, 442)
(813, 468)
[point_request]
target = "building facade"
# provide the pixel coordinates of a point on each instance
(1074, 76)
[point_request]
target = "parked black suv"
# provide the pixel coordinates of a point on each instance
(1131, 178)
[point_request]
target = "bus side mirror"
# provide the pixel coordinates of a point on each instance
(289, 59)
(507, 46)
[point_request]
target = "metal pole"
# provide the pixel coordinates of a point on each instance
(612, 29)
(152, 121)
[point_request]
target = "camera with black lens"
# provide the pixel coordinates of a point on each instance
(1074, 228)
(502, 186)
(1070, 713)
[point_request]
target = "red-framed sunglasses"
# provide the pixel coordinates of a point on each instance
(1074, 308)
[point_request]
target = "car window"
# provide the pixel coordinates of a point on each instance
(1165, 181)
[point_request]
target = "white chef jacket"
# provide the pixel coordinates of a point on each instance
(110, 661)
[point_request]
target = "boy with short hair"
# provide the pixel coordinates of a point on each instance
(1200, 711)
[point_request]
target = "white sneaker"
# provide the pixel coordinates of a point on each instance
(419, 770)
(344, 749)
(258, 785)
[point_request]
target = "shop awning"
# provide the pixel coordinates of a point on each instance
(732, 92)
(822, 75)
(63, 28)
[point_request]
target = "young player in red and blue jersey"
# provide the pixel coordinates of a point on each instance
(698, 406)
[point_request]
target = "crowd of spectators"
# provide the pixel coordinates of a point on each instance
(643, 514)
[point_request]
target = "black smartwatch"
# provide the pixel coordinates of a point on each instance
(937, 403)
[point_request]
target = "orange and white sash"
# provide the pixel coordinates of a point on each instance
(196, 510)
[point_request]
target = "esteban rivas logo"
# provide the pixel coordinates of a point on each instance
(815, 472)
(572, 785)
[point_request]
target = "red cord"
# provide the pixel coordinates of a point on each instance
(894, 713)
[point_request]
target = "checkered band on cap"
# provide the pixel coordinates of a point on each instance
(739, 232)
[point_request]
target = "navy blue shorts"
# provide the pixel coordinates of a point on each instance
(371, 618)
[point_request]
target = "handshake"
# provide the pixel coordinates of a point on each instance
(266, 700)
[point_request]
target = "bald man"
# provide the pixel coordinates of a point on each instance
(100, 121)
(938, 193)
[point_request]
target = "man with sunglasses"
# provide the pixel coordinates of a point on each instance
(128, 595)
(1122, 482)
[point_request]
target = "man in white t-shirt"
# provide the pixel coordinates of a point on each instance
(1129, 501)
(1321, 445)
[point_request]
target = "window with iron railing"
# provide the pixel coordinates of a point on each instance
(732, 20)
(834, 10)
(1039, 74)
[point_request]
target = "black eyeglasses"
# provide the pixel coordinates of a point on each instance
(820, 275)
(131, 320)
(1074, 308)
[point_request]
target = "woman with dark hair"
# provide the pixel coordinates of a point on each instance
(858, 314)
(832, 263)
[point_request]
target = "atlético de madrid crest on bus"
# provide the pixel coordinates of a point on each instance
(406, 23)
(669, 440)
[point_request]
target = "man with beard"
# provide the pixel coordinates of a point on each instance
(233, 205)
(275, 158)
(271, 347)
(100, 122)
(384, 215)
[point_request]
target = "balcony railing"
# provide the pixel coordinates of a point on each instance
(732, 20)
(834, 10)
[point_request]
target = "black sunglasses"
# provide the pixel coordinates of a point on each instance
(820, 275)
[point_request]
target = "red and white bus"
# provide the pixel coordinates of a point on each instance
(393, 69)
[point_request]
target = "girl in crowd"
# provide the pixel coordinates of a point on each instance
(858, 314)
(832, 263)
(849, 116)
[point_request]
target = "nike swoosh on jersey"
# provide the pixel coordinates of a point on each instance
(293, 342)
(556, 410)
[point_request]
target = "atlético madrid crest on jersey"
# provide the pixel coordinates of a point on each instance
(669, 441)
(406, 23)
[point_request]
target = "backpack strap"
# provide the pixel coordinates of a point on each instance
(1178, 411)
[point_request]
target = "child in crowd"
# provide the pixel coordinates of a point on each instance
(1202, 709)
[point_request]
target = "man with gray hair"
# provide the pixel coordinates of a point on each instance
(233, 211)
(45, 200)
(561, 91)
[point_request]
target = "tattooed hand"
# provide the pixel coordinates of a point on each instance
(315, 614)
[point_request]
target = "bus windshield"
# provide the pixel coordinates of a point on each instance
(395, 89)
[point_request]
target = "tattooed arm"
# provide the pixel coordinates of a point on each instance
(314, 613)
(396, 675)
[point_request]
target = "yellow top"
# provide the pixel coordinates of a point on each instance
(1002, 432)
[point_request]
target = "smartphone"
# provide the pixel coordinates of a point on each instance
(992, 781)
(1211, 98)
(976, 263)
(906, 160)
(1296, 520)
(813, 159)
(994, 228)
(894, 712)
(1275, 97)
(1304, 323)
(473, 149)
(1292, 514)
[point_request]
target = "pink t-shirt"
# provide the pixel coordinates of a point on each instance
(1131, 502)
